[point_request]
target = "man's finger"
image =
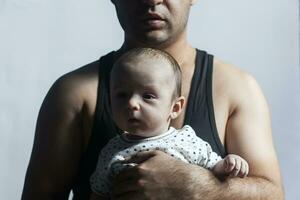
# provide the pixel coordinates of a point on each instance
(121, 188)
(128, 174)
(140, 157)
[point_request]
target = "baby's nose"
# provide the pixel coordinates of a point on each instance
(133, 103)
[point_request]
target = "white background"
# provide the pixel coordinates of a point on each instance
(41, 39)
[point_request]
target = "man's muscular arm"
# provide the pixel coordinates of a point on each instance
(249, 135)
(58, 143)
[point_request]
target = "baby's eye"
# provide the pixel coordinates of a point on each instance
(149, 96)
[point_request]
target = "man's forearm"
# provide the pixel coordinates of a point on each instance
(252, 188)
(205, 186)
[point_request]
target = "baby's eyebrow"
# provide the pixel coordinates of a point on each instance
(150, 86)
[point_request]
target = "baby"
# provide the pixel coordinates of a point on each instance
(145, 95)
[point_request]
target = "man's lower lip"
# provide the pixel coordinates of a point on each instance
(155, 23)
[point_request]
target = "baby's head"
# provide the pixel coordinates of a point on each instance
(145, 91)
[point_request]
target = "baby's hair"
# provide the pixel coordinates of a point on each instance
(156, 54)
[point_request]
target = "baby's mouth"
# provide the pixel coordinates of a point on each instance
(133, 120)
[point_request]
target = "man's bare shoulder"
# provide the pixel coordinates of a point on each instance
(77, 88)
(81, 78)
(234, 83)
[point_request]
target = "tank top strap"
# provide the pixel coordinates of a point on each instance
(200, 112)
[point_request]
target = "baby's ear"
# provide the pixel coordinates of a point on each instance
(177, 107)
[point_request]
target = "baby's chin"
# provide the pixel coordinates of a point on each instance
(139, 134)
(135, 137)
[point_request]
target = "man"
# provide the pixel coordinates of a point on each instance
(228, 107)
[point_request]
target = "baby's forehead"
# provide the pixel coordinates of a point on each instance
(144, 63)
(149, 70)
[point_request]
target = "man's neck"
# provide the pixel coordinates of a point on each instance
(182, 52)
(180, 49)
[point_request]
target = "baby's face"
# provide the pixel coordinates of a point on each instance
(141, 94)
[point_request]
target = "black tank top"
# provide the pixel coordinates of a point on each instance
(199, 115)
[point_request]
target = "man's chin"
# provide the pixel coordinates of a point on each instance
(154, 39)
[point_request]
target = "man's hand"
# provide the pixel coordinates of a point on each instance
(157, 176)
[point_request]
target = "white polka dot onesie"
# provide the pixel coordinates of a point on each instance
(182, 144)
